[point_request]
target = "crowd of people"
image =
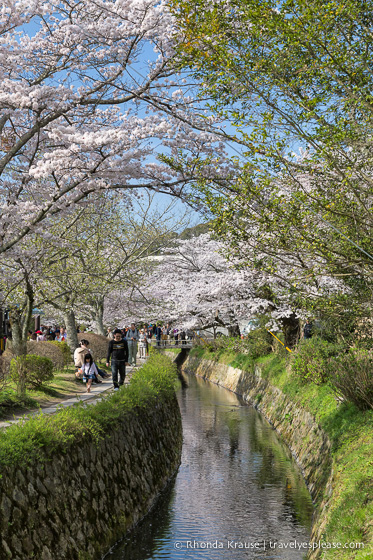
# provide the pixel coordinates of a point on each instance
(47, 334)
(161, 334)
(124, 345)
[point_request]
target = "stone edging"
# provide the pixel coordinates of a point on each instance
(75, 505)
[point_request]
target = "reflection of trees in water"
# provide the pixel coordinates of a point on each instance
(277, 468)
(149, 536)
(252, 443)
(236, 478)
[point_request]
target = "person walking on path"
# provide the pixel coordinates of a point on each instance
(79, 358)
(79, 354)
(142, 344)
(132, 338)
(118, 353)
(182, 336)
(158, 334)
(89, 370)
(176, 336)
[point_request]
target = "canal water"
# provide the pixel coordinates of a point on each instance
(238, 493)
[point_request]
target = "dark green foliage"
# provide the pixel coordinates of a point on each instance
(31, 370)
(43, 435)
(311, 359)
(351, 376)
(259, 342)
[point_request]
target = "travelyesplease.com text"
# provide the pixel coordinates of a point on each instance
(264, 545)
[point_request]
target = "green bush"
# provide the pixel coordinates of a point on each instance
(65, 350)
(31, 371)
(310, 361)
(351, 376)
(258, 343)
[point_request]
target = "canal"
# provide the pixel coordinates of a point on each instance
(238, 493)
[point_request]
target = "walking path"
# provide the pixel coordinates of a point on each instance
(97, 392)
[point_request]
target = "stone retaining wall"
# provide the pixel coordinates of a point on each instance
(307, 441)
(75, 506)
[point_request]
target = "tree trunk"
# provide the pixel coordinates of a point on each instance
(291, 330)
(19, 350)
(234, 331)
(20, 319)
(233, 328)
(28, 309)
(72, 335)
(19, 343)
(99, 317)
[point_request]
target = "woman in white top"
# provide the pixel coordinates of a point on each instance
(89, 371)
(142, 344)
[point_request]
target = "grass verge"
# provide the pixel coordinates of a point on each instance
(349, 516)
(40, 437)
(63, 386)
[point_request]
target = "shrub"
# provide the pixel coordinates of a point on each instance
(48, 350)
(259, 342)
(65, 349)
(6, 358)
(4, 372)
(31, 371)
(310, 360)
(351, 376)
(97, 343)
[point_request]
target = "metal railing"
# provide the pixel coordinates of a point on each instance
(171, 343)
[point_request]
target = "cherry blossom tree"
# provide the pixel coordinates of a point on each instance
(88, 98)
(295, 86)
(102, 248)
(17, 295)
(195, 285)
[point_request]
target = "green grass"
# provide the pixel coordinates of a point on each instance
(63, 386)
(41, 436)
(349, 516)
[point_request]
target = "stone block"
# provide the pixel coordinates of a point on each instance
(17, 519)
(41, 488)
(16, 544)
(19, 498)
(6, 549)
(46, 554)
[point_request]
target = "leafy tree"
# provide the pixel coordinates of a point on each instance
(295, 80)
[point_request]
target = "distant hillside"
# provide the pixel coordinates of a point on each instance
(195, 231)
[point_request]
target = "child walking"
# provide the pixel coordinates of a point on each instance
(89, 370)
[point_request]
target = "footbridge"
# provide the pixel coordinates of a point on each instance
(167, 344)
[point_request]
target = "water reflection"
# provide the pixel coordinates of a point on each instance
(237, 484)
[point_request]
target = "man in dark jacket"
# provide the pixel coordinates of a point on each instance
(158, 334)
(118, 352)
